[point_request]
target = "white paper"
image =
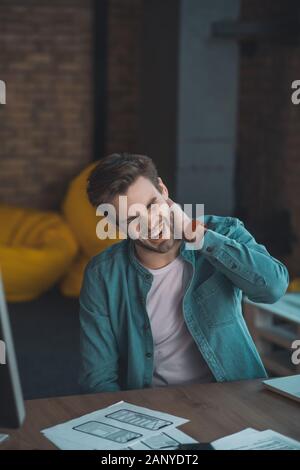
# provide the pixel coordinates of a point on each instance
(271, 440)
(115, 427)
(169, 440)
(65, 444)
(250, 439)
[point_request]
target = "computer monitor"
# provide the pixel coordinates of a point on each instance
(12, 411)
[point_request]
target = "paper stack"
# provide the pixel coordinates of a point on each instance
(120, 426)
(251, 439)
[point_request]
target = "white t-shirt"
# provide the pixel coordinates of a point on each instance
(177, 359)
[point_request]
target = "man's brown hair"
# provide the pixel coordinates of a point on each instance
(115, 173)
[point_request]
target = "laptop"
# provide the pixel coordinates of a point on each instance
(286, 386)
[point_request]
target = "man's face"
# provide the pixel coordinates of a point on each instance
(143, 192)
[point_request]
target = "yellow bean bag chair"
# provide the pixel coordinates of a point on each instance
(36, 250)
(294, 285)
(81, 218)
(70, 285)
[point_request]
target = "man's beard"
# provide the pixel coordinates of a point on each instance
(163, 247)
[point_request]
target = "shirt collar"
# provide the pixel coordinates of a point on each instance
(188, 255)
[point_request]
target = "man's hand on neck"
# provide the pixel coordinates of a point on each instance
(192, 230)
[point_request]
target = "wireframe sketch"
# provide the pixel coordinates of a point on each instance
(107, 431)
(140, 420)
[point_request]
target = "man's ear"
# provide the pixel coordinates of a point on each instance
(163, 189)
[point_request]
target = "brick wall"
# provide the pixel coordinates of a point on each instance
(124, 53)
(46, 125)
(268, 164)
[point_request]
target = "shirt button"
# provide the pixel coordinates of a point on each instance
(209, 249)
(148, 355)
(233, 266)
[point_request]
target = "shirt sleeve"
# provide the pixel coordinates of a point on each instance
(98, 347)
(247, 264)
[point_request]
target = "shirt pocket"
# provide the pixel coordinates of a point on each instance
(218, 300)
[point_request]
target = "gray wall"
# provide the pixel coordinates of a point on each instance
(159, 86)
(207, 107)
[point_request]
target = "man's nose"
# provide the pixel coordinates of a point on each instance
(155, 220)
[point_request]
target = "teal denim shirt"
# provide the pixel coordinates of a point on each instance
(116, 340)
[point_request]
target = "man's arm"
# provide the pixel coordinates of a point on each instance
(98, 347)
(247, 264)
(237, 255)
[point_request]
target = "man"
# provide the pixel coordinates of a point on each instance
(154, 312)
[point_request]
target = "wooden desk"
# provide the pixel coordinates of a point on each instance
(214, 410)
